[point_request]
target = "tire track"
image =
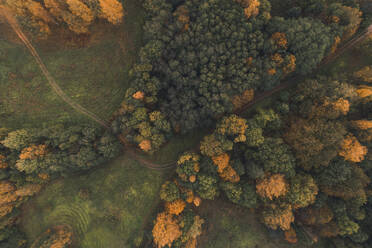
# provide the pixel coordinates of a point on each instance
(4, 11)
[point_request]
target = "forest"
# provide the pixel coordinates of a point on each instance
(259, 107)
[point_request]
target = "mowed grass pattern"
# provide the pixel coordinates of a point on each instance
(95, 76)
(108, 207)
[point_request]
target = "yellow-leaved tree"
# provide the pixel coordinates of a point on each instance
(166, 230)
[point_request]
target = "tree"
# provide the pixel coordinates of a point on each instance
(352, 150)
(315, 142)
(145, 145)
(349, 18)
(224, 169)
(344, 180)
(254, 136)
(315, 216)
(112, 10)
(18, 139)
(211, 146)
(43, 16)
(188, 165)
(275, 157)
(166, 230)
(276, 216)
(362, 124)
(249, 197)
(290, 236)
(272, 187)
(232, 191)
(364, 74)
(169, 192)
(303, 191)
(28, 190)
(175, 207)
(33, 152)
(240, 100)
(280, 39)
(347, 226)
(3, 163)
(58, 237)
(233, 127)
(364, 91)
(207, 187)
(196, 229)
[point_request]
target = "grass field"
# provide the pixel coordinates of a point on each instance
(106, 208)
(348, 63)
(95, 76)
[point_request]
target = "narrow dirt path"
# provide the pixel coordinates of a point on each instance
(14, 24)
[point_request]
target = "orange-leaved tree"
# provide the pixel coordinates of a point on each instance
(280, 39)
(364, 91)
(224, 169)
(175, 207)
(352, 150)
(272, 187)
(33, 152)
(166, 230)
(362, 124)
(112, 10)
(251, 7)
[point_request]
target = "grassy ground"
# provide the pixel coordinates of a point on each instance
(350, 62)
(95, 76)
(106, 208)
(229, 226)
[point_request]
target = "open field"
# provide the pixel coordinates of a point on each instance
(106, 208)
(95, 76)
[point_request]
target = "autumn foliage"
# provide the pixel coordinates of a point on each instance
(315, 216)
(112, 10)
(33, 152)
(166, 230)
(280, 39)
(278, 216)
(7, 197)
(77, 15)
(290, 236)
(272, 187)
(145, 145)
(365, 73)
(364, 91)
(59, 237)
(139, 95)
(291, 66)
(240, 100)
(225, 170)
(362, 124)
(176, 207)
(3, 163)
(352, 150)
